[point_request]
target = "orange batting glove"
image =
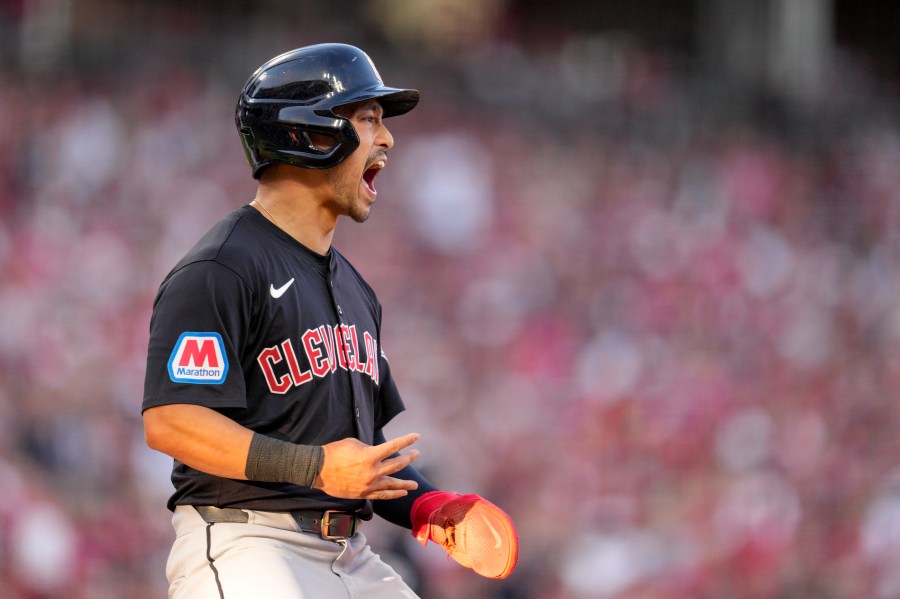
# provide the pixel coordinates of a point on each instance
(473, 531)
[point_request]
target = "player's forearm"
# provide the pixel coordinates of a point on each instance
(199, 437)
(397, 511)
(210, 442)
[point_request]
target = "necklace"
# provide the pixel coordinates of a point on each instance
(266, 210)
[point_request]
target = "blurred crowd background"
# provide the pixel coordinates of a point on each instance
(639, 263)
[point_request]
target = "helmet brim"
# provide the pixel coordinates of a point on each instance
(393, 100)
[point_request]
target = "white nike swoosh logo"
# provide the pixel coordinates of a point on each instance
(494, 532)
(276, 293)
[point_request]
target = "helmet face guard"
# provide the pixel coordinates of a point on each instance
(295, 94)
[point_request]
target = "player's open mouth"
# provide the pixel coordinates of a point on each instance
(371, 173)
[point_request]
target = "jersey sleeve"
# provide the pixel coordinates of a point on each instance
(389, 402)
(199, 324)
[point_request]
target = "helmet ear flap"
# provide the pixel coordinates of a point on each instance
(248, 145)
(301, 138)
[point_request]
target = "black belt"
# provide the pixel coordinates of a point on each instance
(330, 524)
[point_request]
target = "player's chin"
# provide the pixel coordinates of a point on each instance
(359, 211)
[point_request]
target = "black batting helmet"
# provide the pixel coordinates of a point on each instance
(296, 93)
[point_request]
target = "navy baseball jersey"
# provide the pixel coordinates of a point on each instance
(282, 340)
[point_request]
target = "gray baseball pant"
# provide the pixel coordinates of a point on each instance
(269, 556)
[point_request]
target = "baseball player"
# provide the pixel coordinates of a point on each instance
(266, 379)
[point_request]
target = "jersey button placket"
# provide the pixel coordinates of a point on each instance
(340, 313)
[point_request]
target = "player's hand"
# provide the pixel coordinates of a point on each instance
(354, 470)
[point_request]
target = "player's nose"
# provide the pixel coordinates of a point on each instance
(384, 138)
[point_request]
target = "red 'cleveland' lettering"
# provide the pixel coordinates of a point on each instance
(328, 340)
(199, 356)
(339, 348)
(324, 349)
(318, 359)
(299, 377)
(266, 359)
(353, 343)
(340, 335)
(371, 356)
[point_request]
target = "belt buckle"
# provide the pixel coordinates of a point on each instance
(337, 525)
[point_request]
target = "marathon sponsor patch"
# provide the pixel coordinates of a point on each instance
(198, 358)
